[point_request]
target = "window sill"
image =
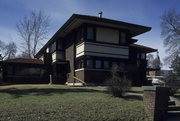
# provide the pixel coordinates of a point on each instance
(88, 69)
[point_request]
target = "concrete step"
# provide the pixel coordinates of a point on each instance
(174, 113)
(170, 103)
(174, 108)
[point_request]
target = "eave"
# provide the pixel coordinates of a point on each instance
(76, 20)
(143, 48)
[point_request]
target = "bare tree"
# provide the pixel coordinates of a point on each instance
(156, 63)
(2, 50)
(23, 54)
(7, 51)
(150, 58)
(153, 62)
(33, 29)
(170, 26)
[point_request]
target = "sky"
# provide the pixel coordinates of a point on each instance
(143, 12)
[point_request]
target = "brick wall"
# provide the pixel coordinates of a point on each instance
(156, 102)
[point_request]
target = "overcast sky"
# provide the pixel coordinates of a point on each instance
(143, 12)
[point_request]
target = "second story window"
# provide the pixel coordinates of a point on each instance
(53, 47)
(59, 45)
(138, 55)
(80, 35)
(122, 38)
(79, 64)
(143, 55)
(90, 33)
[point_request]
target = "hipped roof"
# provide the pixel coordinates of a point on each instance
(76, 20)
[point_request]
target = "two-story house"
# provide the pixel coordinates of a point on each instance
(85, 48)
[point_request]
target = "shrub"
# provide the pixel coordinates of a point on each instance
(173, 83)
(118, 83)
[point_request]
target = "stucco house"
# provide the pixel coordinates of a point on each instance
(85, 48)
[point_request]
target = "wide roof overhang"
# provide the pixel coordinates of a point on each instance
(143, 48)
(76, 20)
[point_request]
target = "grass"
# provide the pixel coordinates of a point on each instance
(59, 102)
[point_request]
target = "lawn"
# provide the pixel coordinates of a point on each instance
(62, 103)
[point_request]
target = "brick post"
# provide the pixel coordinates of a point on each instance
(155, 101)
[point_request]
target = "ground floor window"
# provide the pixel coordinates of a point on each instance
(98, 64)
(89, 63)
(93, 63)
(79, 64)
(10, 70)
(106, 64)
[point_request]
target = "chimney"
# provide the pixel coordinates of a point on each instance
(100, 14)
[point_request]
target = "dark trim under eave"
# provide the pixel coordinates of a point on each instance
(92, 18)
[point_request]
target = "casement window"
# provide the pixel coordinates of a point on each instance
(59, 45)
(90, 33)
(79, 64)
(10, 70)
(21, 70)
(80, 35)
(122, 38)
(98, 64)
(60, 55)
(106, 65)
(138, 55)
(143, 56)
(89, 63)
(53, 47)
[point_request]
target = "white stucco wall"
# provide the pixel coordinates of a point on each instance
(47, 50)
(103, 50)
(41, 58)
(57, 55)
(107, 35)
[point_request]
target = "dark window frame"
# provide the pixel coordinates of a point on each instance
(100, 64)
(86, 33)
(80, 31)
(102, 59)
(53, 47)
(120, 37)
(86, 65)
(109, 64)
(143, 55)
(60, 41)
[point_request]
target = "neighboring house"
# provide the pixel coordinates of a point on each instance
(85, 48)
(157, 76)
(21, 70)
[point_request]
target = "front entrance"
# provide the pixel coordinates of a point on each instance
(60, 70)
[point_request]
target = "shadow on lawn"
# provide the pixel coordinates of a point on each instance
(133, 97)
(139, 92)
(16, 93)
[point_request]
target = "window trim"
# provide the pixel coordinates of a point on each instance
(109, 65)
(95, 66)
(92, 63)
(94, 33)
(120, 37)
